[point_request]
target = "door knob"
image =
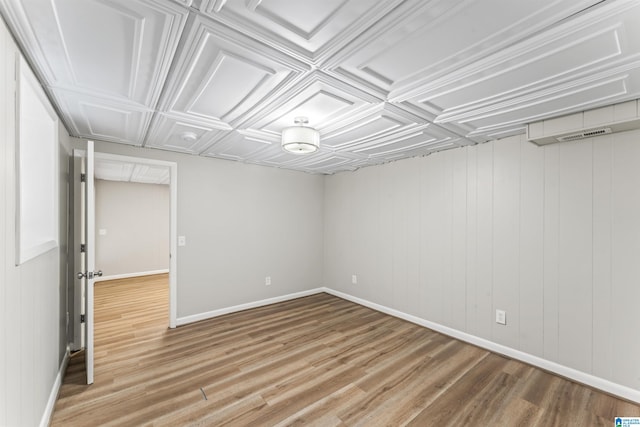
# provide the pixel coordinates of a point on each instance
(90, 274)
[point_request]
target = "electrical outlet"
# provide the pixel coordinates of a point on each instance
(354, 279)
(267, 280)
(182, 241)
(501, 317)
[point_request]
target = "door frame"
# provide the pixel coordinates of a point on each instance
(173, 222)
(75, 340)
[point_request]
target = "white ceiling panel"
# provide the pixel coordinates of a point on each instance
(382, 120)
(380, 80)
(179, 134)
(242, 146)
(151, 174)
(425, 40)
(306, 30)
(117, 49)
(103, 119)
(124, 171)
(109, 170)
(319, 97)
(223, 75)
(584, 63)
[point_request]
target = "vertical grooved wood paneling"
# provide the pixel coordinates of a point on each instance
(32, 295)
(400, 235)
(602, 345)
(444, 239)
(506, 257)
(364, 203)
(548, 234)
(413, 235)
(432, 258)
(5, 70)
(531, 248)
(459, 240)
(575, 293)
(13, 276)
(625, 295)
(471, 274)
(550, 258)
(385, 249)
(485, 240)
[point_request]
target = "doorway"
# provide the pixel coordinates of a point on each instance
(140, 170)
(149, 171)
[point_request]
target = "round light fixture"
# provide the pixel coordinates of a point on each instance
(300, 139)
(189, 136)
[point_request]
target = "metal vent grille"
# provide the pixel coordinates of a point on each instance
(584, 134)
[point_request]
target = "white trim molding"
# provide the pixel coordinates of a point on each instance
(221, 311)
(556, 368)
(129, 275)
(53, 396)
(587, 379)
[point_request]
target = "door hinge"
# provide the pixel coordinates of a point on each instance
(83, 247)
(82, 318)
(83, 177)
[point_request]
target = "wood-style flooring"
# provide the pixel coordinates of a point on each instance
(318, 360)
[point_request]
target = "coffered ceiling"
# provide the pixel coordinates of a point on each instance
(380, 80)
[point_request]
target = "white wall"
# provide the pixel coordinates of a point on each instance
(32, 295)
(551, 235)
(242, 223)
(135, 218)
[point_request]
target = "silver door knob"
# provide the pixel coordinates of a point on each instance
(90, 274)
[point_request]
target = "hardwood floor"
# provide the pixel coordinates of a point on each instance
(318, 360)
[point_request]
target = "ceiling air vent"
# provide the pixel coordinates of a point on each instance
(586, 124)
(585, 134)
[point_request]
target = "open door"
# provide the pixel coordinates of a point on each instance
(85, 253)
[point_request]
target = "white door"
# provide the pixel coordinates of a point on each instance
(87, 273)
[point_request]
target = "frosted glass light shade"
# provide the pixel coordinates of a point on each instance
(300, 139)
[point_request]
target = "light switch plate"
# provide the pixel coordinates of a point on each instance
(182, 241)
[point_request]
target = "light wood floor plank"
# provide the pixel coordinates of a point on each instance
(313, 361)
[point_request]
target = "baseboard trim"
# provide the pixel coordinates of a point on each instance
(53, 396)
(602, 384)
(129, 275)
(219, 312)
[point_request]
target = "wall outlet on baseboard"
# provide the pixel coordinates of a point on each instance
(354, 279)
(501, 317)
(267, 281)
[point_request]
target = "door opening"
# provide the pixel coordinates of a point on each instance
(83, 296)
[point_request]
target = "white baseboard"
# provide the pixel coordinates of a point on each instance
(215, 313)
(556, 368)
(564, 371)
(53, 396)
(129, 275)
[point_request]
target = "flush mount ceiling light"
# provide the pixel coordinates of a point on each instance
(300, 139)
(188, 136)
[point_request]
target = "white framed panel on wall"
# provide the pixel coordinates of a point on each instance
(36, 164)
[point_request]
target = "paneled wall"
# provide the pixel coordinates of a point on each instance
(134, 218)
(32, 295)
(550, 235)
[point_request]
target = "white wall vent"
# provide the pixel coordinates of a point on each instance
(585, 134)
(586, 124)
